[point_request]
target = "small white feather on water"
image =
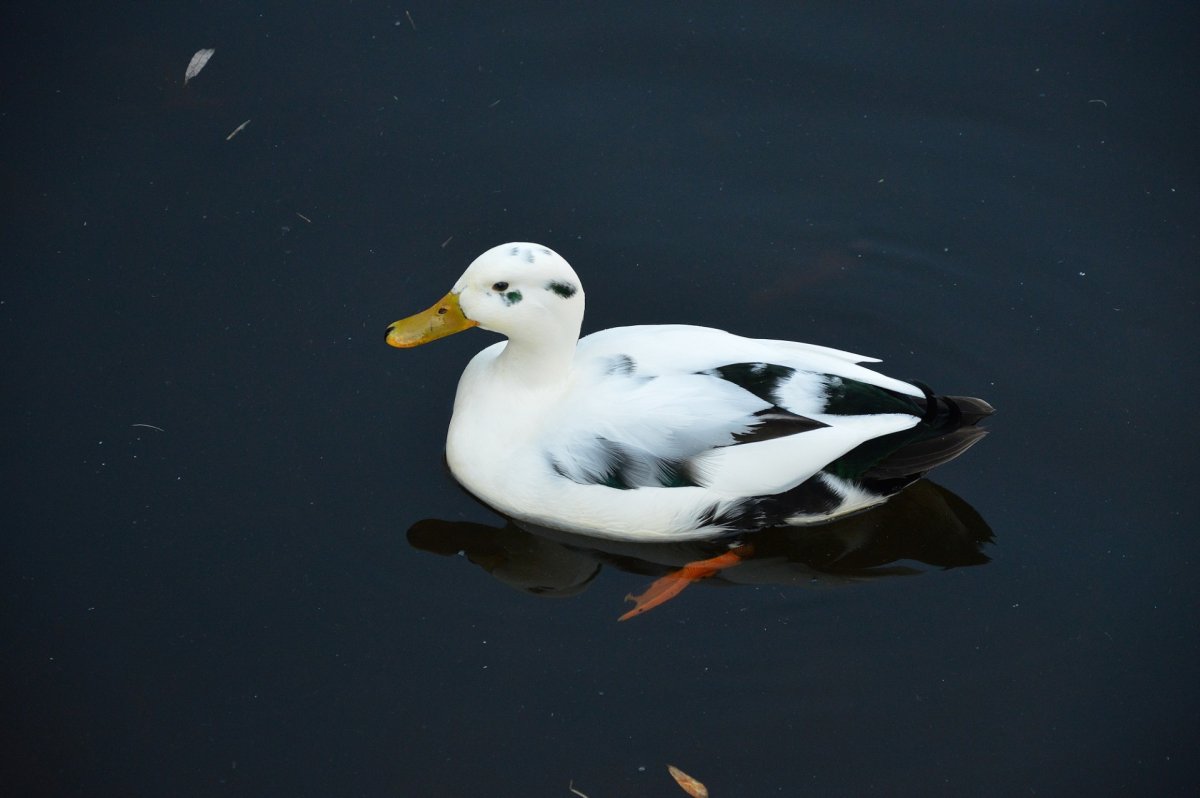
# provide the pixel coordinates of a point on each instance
(237, 130)
(197, 63)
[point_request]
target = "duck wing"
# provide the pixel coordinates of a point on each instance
(679, 406)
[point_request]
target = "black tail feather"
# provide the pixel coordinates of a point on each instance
(948, 428)
(918, 457)
(970, 409)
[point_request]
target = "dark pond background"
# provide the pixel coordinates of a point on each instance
(997, 199)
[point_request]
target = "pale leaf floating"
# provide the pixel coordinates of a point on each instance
(237, 130)
(197, 63)
(689, 785)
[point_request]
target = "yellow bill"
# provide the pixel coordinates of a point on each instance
(444, 318)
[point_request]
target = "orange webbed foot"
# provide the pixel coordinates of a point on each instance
(667, 587)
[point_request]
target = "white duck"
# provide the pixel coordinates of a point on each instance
(668, 432)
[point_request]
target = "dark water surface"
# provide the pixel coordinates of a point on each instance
(999, 200)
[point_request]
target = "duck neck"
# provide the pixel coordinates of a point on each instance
(539, 361)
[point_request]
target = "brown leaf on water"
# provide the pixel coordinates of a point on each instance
(197, 63)
(687, 783)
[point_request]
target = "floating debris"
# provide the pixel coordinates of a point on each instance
(689, 784)
(305, 218)
(571, 787)
(197, 63)
(237, 130)
(151, 426)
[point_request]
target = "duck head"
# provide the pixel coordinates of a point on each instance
(520, 290)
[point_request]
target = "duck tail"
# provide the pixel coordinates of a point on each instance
(949, 426)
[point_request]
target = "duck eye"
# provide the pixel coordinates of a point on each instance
(500, 286)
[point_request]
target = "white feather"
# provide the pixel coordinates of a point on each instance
(197, 63)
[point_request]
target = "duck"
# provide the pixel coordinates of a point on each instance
(672, 432)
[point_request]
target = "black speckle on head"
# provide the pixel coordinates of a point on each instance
(515, 251)
(511, 298)
(529, 256)
(564, 290)
(546, 251)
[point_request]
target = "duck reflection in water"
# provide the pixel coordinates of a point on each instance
(923, 527)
